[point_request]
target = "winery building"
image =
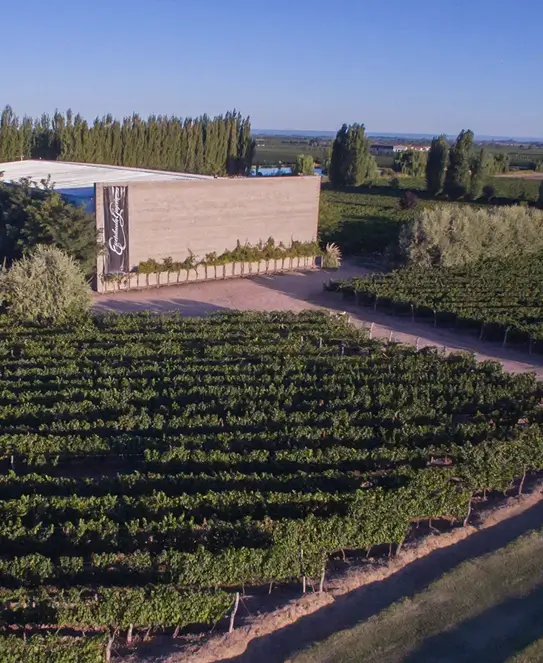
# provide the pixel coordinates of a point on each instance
(148, 214)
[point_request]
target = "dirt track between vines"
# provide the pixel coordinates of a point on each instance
(303, 290)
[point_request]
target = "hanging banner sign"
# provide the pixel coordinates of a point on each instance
(116, 228)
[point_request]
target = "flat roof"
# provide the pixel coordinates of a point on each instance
(80, 176)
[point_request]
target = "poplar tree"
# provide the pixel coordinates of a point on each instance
(304, 165)
(220, 145)
(436, 166)
(479, 170)
(458, 177)
(351, 162)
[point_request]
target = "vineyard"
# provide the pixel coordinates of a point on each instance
(154, 466)
(502, 299)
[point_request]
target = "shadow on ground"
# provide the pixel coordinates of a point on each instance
(188, 307)
(402, 328)
(363, 603)
(494, 636)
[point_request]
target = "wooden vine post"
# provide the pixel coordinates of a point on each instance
(521, 486)
(108, 648)
(233, 614)
(321, 584)
(466, 519)
(304, 579)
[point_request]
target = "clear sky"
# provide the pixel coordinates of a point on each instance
(426, 66)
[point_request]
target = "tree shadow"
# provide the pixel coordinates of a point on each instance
(361, 604)
(456, 339)
(387, 191)
(365, 234)
(309, 288)
(493, 636)
(188, 307)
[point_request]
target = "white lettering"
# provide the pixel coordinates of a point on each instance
(117, 241)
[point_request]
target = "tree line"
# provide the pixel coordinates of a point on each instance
(221, 145)
(458, 170)
(461, 170)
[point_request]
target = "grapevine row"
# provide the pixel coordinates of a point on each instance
(507, 294)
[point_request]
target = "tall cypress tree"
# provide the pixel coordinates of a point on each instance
(458, 178)
(436, 166)
(479, 169)
(352, 163)
(339, 158)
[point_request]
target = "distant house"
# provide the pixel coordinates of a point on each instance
(387, 149)
(377, 148)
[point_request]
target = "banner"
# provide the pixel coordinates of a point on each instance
(116, 228)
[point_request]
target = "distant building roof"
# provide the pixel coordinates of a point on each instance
(79, 178)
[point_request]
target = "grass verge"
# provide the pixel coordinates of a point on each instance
(488, 610)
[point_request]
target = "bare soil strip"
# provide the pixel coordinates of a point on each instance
(275, 635)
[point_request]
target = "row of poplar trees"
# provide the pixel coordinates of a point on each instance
(220, 145)
(460, 170)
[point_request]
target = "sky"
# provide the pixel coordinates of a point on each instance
(423, 66)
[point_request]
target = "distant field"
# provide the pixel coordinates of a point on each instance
(485, 611)
(283, 150)
(366, 220)
(274, 149)
(363, 220)
(523, 174)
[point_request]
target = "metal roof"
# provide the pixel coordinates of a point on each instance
(68, 176)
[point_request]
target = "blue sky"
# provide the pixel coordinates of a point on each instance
(396, 65)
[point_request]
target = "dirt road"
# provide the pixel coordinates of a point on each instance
(303, 290)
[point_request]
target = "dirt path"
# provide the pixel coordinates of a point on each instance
(303, 290)
(358, 594)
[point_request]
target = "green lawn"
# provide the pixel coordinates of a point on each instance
(489, 610)
(364, 220)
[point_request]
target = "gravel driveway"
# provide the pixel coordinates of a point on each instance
(297, 291)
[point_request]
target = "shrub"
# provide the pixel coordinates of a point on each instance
(45, 286)
(489, 192)
(331, 258)
(35, 214)
(408, 201)
(304, 165)
(451, 235)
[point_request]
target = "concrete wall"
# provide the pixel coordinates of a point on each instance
(168, 218)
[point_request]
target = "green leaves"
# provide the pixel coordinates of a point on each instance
(436, 165)
(351, 163)
(153, 465)
(505, 293)
(49, 648)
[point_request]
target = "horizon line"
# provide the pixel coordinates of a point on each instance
(400, 134)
